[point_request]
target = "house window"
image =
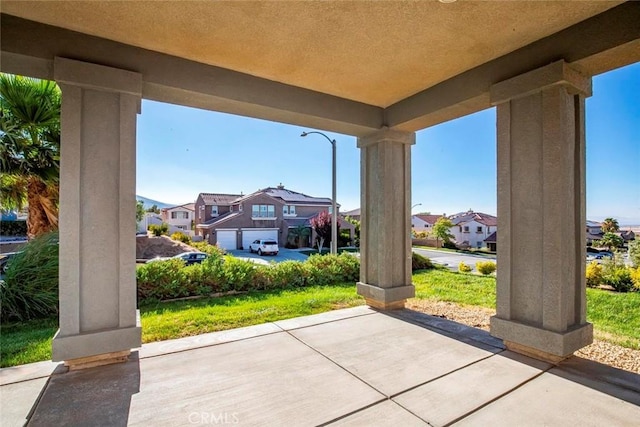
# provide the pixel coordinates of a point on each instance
(479, 229)
(289, 210)
(180, 215)
(466, 229)
(240, 207)
(479, 245)
(263, 211)
(214, 210)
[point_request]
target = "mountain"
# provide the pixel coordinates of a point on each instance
(150, 202)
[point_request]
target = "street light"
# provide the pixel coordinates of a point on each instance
(334, 210)
(417, 204)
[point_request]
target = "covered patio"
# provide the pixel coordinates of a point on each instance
(356, 367)
(378, 71)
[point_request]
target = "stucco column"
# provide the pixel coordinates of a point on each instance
(385, 227)
(541, 296)
(98, 318)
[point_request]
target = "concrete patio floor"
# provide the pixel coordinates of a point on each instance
(354, 367)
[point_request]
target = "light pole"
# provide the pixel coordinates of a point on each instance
(334, 210)
(417, 204)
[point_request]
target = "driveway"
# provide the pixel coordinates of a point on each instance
(452, 259)
(283, 255)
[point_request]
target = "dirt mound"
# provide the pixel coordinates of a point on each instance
(162, 246)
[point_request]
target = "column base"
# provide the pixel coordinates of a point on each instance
(95, 344)
(385, 298)
(99, 360)
(396, 305)
(541, 343)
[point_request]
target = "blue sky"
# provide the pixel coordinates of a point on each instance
(184, 151)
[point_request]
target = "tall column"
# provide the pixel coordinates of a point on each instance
(385, 231)
(98, 317)
(541, 296)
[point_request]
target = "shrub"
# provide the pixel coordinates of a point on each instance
(159, 230)
(215, 251)
(419, 262)
(238, 274)
(594, 274)
(635, 278)
(334, 268)
(181, 237)
(486, 267)
(464, 268)
(616, 275)
(162, 280)
(13, 228)
(634, 252)
(449, 245)
(30, 287)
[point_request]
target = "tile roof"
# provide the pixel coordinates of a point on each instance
(188, 206)
(214, 221)
(219, 199)
(353, 212)
(430, 219)
(493, 238)
(482, 218)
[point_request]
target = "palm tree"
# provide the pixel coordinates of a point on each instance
(610, 225)
(30, 149)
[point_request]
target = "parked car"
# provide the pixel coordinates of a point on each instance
(188, 258)
(264, 246)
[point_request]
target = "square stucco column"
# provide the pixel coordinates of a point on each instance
(385, 230)
(541, 293)
(98, 318)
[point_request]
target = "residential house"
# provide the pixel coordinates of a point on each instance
(594, 231)
(423, 222)
(234, 221)
(492, 242)
(180, 217)
(470, 229)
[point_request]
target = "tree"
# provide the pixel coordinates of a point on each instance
(610, 225)
(321, 223)
(30, 149)
(299, 235)
(356, 231)
(154, 209)
(139, 210)
(610, 241)
(441, 230)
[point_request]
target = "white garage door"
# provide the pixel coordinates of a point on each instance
(227, 239)
(249, 235)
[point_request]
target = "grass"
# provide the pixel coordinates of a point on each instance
(465, 289)
(616, 317)
(29, 342)
(26, 342)
(184, 318)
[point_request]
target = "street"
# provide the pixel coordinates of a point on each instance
(452, 259)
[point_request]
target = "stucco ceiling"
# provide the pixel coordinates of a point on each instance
(372, 52)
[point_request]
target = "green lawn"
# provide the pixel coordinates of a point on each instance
(616, 317)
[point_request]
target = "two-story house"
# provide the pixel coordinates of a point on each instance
(234, 221)
(179, 217)
(472, 228)
(423, 222)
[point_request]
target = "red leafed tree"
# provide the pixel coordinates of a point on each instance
(321, 223)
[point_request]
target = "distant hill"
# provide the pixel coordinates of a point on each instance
(150, 202)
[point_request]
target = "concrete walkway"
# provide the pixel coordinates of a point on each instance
(352, 367)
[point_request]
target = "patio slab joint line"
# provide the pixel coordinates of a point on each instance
(348, 414)
(336, 363)
(495, 399)
(441, 376)
(320, 323)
